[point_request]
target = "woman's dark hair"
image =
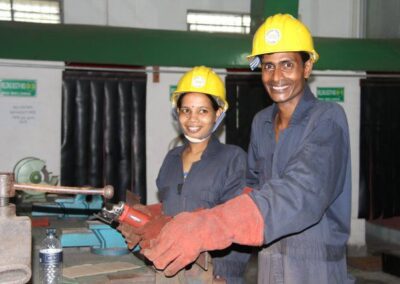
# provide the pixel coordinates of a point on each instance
(214, 102)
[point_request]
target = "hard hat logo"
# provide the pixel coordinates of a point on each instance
(198, 82)
(272, 36)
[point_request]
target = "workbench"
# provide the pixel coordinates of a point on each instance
(82, 256)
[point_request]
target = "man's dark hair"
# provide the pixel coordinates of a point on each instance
(305, 56)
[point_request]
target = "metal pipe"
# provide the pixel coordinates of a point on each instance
(107, 191)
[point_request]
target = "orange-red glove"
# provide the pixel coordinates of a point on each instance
(152, 210)
(129, 232)
(188, 234)
(151, 229)
(247, 190)
(144, 234)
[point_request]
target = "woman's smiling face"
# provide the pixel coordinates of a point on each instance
(197, 115)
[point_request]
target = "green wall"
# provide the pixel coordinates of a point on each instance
(112, 45)
(261, 9)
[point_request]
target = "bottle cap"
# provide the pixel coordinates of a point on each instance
(51, 231)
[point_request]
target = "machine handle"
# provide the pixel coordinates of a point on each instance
(133, 217)
(107, 191)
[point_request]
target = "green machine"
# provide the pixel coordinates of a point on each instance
(33, 170)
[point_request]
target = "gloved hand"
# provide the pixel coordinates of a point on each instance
(129, 232)
(152, 210)
(144, 234)
(188, 234)
(151, 229)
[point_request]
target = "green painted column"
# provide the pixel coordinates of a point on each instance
(261, 9)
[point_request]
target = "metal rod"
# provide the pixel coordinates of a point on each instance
(107, 191)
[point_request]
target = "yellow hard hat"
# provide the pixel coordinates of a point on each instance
(204, 80)
(282, 33)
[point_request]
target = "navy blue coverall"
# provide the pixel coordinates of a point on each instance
(303, 190)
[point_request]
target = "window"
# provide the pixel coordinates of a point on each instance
(218, 22)
(39, 11)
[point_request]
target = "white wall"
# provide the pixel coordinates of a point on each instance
(159, 126)
(326, 18)
(149, 14)
(382, 19)
(31, 126)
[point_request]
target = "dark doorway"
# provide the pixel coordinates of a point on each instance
(246, 96)
(380, 149)
(103, 131)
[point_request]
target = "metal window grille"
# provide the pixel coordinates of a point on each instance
(218, 22)
(39, 11)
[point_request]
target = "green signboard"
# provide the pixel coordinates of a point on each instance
(332, 94)
(18, 88)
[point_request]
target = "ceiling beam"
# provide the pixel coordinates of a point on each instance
(144, 47)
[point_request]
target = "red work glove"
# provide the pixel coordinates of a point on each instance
(247, 190)
(129, 232)
(145, 233)
(152, 210)
(151, 229)
(188, 234)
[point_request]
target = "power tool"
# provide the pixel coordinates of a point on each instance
(122, 213)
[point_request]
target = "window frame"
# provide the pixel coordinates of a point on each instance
(244, 27)
(12, 11)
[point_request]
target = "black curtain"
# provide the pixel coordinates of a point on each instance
(379, 148)
(103, 131)
(246, 96)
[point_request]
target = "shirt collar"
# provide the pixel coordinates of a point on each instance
(306, 102)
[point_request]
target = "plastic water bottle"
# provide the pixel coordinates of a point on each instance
(50, 259)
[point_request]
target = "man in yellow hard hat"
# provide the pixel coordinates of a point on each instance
(298, 205)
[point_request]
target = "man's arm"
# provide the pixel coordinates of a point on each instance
(190, 233)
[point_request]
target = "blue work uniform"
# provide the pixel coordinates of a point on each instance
(219, 176)
(303, 190)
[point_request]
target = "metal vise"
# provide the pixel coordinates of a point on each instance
(16, 231)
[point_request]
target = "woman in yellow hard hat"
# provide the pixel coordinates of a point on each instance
(200, 82)
(203, 172)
